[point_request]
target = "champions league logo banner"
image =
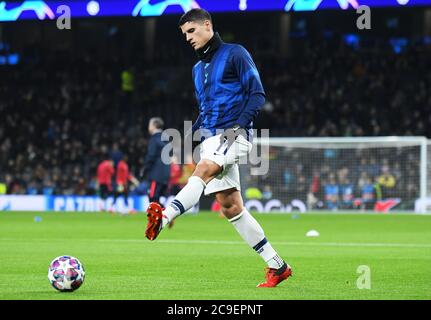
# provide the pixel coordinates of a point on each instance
(49, 10)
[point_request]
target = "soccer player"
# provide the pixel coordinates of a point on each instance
(155, 170)
(105, 171)
(230, 94)
(123, 177)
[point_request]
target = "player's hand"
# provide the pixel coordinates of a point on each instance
(230, 134)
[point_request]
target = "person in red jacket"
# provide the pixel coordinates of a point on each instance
(105, 171)
(122, 179)
(174, 180)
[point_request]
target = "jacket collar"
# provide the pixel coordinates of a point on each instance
(207, 51)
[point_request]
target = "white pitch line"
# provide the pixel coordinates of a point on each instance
(224, 242)
(322, 244)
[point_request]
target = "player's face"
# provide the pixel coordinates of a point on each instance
(197, 33)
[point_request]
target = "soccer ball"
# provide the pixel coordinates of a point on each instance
(66, 273)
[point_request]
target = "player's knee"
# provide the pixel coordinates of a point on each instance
(231, 210)
(206, 170)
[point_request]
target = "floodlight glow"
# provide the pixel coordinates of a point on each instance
(93, 8)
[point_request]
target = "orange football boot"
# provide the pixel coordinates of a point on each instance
(275, 276)
(155, 219)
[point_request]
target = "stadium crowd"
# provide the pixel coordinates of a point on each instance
(61, 114)
(347, 178)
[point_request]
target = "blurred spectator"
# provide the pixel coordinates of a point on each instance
(347, 194)
(386, 182)
(253, 193)
(367, 193)
(105, 173)
(156, 170)
(332, 191)
(267, 192)
(122, 179)
(3, 186)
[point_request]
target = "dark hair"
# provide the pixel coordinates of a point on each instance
(157, 122)
(194, 15)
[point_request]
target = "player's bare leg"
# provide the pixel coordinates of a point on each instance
(233, 209)
(207, 170)
(204, 172)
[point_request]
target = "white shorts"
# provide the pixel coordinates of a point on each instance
(227, 157)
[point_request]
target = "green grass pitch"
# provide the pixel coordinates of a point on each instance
(203, 257)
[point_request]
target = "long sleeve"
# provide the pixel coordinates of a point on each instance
(196, 125)
(251, 83)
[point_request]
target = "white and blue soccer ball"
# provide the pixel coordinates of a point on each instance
(66, 273)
